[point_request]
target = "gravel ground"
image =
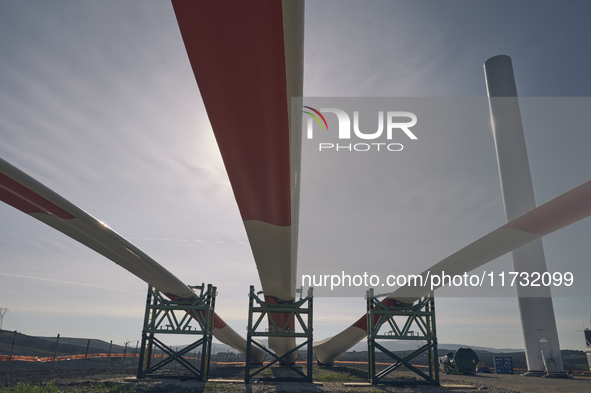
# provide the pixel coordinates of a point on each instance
(500, 384)
(519, 383)
(328, 380)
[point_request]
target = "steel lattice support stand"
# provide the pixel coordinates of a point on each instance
(288, 312)
(400, 318)
(165, 317)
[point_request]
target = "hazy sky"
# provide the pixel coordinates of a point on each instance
(98, 102)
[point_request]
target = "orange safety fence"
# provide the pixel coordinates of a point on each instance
(303, 362)
(4, 358)
(21, 358)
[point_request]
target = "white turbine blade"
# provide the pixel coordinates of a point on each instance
(30, 196)
(561, 211)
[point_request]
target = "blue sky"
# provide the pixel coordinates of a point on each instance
(98, 102)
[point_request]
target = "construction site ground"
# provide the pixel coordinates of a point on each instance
(333, 379)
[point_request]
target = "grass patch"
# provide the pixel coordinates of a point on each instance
(28, 388)
(335, 374)
(334, 377)
(87, 387)
(215, 387)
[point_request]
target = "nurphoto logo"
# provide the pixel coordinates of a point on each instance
(398, 123)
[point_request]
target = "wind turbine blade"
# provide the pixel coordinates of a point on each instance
(29, 196)
(247, 61)
(561, 211)
(26, 194)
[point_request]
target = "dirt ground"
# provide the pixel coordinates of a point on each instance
(521, 384)
(326, 380)
(490, 383)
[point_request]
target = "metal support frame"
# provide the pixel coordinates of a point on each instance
(194, 317)
(401, 318)
(274, 311)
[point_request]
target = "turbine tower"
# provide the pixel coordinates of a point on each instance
(2, 312)
(535, 303)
